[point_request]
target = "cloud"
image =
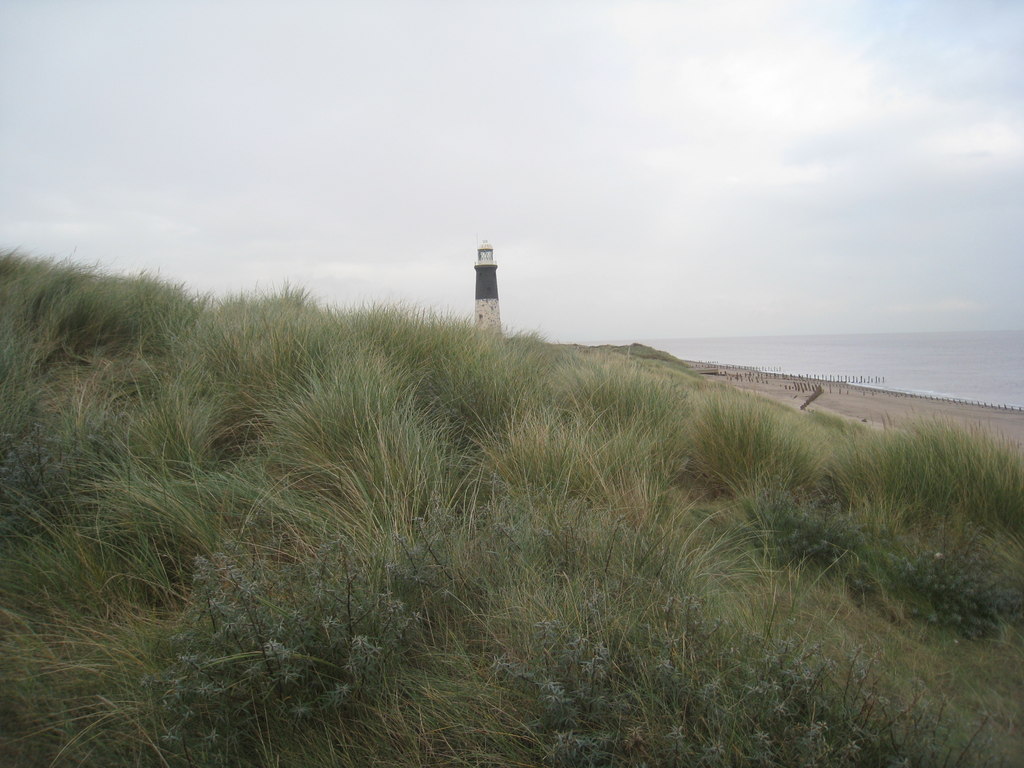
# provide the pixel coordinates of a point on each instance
(647, 169)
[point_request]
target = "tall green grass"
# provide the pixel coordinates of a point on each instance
(565, 460)
(618, 439)
(20, 392)
(358, 441)
(472, 383)
(746, 445)
(72, 312)
(934, 473)
(259, 530)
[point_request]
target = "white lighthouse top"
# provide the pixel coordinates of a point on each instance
(485, 253)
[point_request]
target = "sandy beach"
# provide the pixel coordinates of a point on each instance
(877, 407)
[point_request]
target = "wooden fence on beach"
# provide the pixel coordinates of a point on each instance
(808, 382)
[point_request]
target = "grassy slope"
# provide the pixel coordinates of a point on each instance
(258, 531)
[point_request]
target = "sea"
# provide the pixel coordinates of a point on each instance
(982, 366)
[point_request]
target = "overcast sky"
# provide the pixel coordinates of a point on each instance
(643, 169)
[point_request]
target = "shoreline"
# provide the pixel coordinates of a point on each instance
(872, 405)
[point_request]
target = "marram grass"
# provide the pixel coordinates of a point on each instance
(745, 445)
(935, 472)
(260, 531)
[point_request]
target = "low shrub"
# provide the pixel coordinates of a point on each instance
(810, 531)
(959, 587)
(689, 690)
(956, 584)
(35, 480)
(266, 646)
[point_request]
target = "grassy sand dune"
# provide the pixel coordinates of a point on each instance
(259, 531)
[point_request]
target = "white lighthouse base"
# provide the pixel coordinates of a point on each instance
(487, 315)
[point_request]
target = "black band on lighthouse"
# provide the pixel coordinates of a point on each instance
(486, 281)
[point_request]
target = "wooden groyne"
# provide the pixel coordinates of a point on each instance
(829, 383)
(814, 396)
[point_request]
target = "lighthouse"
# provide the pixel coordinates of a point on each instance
(487, 315)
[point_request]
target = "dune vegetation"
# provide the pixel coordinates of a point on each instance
(260, 531)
